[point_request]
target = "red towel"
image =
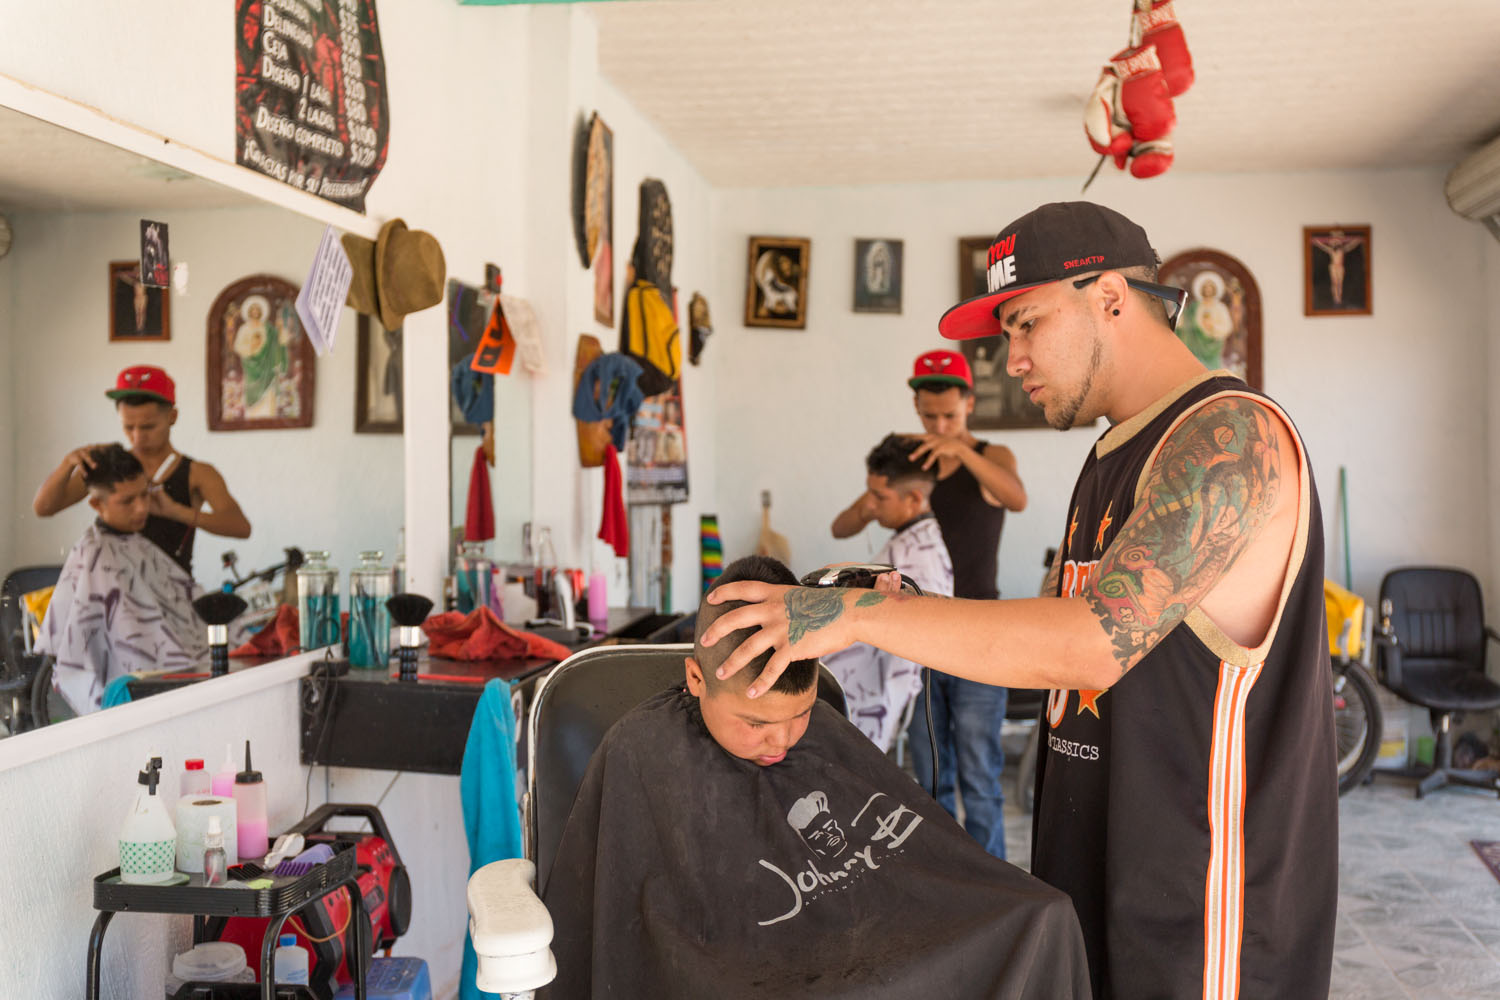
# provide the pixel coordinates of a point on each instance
(614, 527)
(279, 637)
(479, 520)
(479, 635)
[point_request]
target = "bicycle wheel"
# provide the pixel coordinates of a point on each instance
(1357, 723)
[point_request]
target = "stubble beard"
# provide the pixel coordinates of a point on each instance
(1065, 415)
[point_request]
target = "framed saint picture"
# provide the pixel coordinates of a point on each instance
(776, 282)
(1221, 321)
(137, 311)
(877, 276)
(377, 390)
(1336, 269)
(261, 373)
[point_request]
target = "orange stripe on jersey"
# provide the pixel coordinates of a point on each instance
(1223, 890)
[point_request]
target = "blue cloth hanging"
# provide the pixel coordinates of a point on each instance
(117, 691)
(487, 786)
(609, 389)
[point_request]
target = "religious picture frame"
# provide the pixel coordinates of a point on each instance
(1336, 271)
(137, 312)
(261, 367)
(999, 403)
(1221, 320)
(776, 282)
(877, 276)
(378, 401)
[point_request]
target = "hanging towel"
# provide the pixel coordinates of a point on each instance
(117, 691)
(608, 389)
(280, 637)
(614, 526)
(479, 518)
(488, 788)
(479, 635)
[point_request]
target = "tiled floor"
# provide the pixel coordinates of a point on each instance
(1419, 913)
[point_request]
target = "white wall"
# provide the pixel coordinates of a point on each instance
(7, 420)
(1382, 395)
(322, 487)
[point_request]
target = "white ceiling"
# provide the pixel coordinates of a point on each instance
(45, 168)
(816, 92)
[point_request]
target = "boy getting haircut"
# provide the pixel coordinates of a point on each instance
(112, 465)
(891, 458)
(798, 678)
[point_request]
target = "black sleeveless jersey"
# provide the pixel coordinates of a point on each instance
(173, 537)
(1191, 810)
(971, 530)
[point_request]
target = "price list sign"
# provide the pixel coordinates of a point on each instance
(311, 107)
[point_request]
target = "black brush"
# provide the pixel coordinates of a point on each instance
(217, 610)
(409, 611)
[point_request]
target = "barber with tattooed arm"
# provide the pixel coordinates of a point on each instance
(1186, 793)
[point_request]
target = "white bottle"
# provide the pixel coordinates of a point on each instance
(291, 961)
(148, 840)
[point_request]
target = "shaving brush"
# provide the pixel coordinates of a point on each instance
(217, 610)
(409, 611)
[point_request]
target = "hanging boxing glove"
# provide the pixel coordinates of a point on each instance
(1149, 159)
(1159, 26)
(1103, 122)
(1144, 97)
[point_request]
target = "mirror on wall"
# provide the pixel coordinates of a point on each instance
(305, 445)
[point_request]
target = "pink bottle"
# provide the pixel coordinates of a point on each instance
(250, 811)
(222, 783)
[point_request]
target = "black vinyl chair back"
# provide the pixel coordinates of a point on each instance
(575, 705)
(1437, 621)
(18, 583)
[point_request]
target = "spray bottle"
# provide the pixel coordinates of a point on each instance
(215, 870)
(148, 841)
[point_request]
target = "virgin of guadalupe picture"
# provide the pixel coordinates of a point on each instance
(260, 362)
(1220, 323)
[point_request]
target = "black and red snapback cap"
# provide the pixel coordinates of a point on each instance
(1049, 244)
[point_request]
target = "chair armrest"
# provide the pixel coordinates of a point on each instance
(510, 927)
(1388, 659)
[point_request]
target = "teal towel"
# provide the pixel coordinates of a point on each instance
(117, 691)
(487, 784)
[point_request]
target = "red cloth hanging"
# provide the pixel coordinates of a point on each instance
(614, 528)
(479, 519)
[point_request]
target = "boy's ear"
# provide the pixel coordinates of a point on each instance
(96, 502)
(696, 685)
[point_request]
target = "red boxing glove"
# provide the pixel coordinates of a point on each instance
(1148, 159)
(1143, 93)
(1103, 122)
(1158, 26)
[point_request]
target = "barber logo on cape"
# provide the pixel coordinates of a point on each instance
(812, 817)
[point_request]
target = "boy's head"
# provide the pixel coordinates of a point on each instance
(117, 488)
(901, 487)
(762, 730)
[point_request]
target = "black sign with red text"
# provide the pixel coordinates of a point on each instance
(311, 108)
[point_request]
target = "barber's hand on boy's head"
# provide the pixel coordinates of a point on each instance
(935, 446)
(800, 623)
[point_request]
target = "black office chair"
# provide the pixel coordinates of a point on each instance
(19, 666)
(1430, 650)
(572, 708)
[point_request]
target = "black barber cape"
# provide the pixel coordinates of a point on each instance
(686, 872)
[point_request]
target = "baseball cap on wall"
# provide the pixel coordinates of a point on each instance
(1049, 244)
(144, 380)
(940, 368)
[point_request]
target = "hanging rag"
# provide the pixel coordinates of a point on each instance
(614, 526)
(280, 637)
(473, 392)
(527, 333)
(117, 691)
(488, 788)
(479, 635)
(609, 390)
(479, 517)
(648, 333)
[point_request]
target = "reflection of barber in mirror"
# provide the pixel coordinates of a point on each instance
(121, 605)
(179, 488)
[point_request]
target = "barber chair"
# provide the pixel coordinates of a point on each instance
(20, 665)
(573, 707)
(1430, 650)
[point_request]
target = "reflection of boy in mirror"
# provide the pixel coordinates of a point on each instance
(179, 488)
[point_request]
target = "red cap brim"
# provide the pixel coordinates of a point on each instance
(976, 317)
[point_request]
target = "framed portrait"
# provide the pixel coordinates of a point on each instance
(599, 216)
(377, 389)
(1220, 323)
(776, 282)
(877, 276)
(999, 403)
(1336, 271)
(261, 373)
(137, 311)
(468, 314)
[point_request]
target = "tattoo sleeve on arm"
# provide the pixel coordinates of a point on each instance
(809, 609)
(1054, 576)
(869, 600)
(1212, 490)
